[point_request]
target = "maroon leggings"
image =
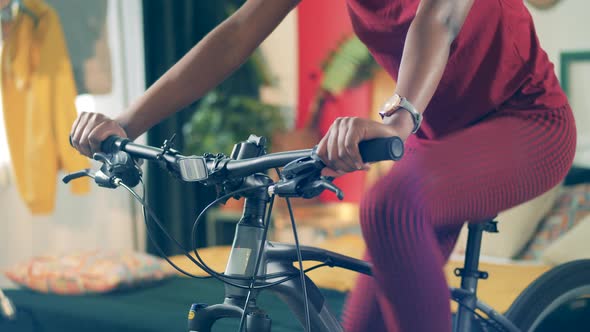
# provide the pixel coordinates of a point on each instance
(411, 218)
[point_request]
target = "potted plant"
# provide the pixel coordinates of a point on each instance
(223, 119)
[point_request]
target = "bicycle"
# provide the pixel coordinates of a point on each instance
(255, 264)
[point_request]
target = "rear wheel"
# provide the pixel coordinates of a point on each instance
(559, 286)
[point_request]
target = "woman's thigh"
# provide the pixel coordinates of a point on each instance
(475, 173)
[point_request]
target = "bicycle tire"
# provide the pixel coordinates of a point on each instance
(558, 286)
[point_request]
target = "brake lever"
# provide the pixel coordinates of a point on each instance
(327, 183)
(72, 176)
(316, 187)
(99, 177)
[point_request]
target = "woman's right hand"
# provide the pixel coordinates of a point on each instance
(91, 129)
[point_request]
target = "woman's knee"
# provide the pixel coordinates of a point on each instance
(392, 206)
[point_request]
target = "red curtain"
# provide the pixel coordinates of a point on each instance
(321, 26)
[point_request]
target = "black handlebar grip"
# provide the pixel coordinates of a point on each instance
(387, 148)
(109, 145)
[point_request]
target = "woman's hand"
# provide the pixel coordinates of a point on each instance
(339, 147)
(91, 129)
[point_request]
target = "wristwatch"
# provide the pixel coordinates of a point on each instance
(395, 103)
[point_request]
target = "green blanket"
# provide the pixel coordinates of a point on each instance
(162, 307)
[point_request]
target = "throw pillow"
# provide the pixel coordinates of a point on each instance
(572, 206)
(516, 227)
(89, 272)
(570, 246)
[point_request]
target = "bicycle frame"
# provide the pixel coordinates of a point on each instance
(279, 258)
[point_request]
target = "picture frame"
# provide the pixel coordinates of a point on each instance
(575, 81)
(566, 59)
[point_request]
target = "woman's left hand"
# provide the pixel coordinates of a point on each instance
(339, 147)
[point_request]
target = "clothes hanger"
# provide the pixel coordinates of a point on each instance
(10, 11)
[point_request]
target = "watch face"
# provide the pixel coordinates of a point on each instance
(391, 103)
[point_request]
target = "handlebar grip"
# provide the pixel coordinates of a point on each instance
(111, 144)
(387, 148)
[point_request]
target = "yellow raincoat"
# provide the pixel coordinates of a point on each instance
(38, 95)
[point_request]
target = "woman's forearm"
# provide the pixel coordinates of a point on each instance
(426, 53)
(214, 58)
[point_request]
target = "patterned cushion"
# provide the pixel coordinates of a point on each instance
(571, 207)
(89, 272)
(517, 226)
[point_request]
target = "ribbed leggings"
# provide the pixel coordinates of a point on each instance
(411, 218)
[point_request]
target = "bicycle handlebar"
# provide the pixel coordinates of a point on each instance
(390, 148)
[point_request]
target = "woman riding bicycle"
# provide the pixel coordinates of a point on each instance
(497, 131)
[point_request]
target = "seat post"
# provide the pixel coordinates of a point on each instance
(470, 272)
(471, 264)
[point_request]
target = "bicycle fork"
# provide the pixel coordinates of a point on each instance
(201, 317)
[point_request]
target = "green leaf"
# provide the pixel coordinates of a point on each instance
(350, 65)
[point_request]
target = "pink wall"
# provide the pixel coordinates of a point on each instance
(321, 25)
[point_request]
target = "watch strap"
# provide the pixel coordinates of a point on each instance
(404, 104)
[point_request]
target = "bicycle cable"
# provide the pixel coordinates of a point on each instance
(302, 274)
(151, 214)
(300, 259)
(141, 200)
(220, 277)
(204, 266)
(201, 264)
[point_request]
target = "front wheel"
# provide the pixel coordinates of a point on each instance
(558, 286)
